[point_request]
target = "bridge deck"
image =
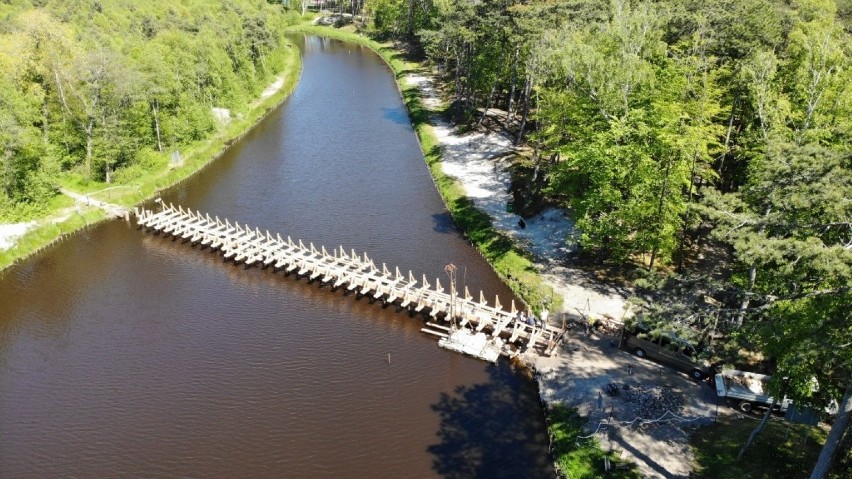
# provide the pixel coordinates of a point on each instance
(359, 273)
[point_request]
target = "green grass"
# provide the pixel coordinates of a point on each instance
(583, 459)
(149, 183)
(46, 234)
(781, 450)
(510, 262)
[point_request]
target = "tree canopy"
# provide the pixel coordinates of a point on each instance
(95, 87)
(675, 129)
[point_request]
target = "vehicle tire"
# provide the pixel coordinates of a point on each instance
(745, 406)
(640, 352)
(697, 374)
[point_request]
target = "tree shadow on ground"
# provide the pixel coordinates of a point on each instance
(492, 430)
(479, 228)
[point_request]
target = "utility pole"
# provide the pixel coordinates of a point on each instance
(450, 269)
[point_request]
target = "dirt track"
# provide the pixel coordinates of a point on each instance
(578, 377)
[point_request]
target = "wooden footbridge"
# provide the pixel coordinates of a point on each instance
(447, 312)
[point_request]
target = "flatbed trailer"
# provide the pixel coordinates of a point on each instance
(745, 391)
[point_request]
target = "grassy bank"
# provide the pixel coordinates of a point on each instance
(780, 450)
(583, 459)
(145, 183)
(510, 262)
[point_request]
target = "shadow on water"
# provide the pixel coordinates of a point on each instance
(445, 224)
(479, 437)
(396, 115)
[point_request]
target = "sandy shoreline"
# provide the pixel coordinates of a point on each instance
(11, 232)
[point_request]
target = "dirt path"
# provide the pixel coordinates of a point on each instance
(115, 210)
(478, 161)
(579, 374)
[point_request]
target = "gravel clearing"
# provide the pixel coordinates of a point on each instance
(649, 423)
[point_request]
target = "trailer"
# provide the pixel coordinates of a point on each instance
(745, 391)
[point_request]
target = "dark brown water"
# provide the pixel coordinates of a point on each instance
(125, 354)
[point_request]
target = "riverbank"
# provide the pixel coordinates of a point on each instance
(512, 263)
(471, 170)
(65, 216)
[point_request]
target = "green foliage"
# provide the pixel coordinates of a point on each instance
(633, 126)
(84, 86)
(672, 126)
(676, 129)
(783, 450)
(581, 459)
(401, 17)
(789, 224)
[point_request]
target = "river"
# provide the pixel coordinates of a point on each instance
(124, 353)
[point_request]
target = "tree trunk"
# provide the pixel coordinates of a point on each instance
(90, 126)
(752, 275)
(493, 90)
(457, 81)
(727, 147)
(660, 213)
(512, 88)
(682, 246)
(526, 99)
(841, 425)
(409, 28)
(469, 100)
(488, 101)
(7, 176)
(45, 125)
(156, 109)
(757, 429)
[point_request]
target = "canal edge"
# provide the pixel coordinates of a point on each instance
(410, 94)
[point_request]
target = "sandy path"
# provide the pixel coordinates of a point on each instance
(475, 160)
(577, 375)
(272, 88)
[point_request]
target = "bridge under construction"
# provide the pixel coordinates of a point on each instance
(462, 323)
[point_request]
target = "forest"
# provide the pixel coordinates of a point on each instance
(704, 143)
(104, 90)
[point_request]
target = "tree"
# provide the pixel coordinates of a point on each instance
(838, 430)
